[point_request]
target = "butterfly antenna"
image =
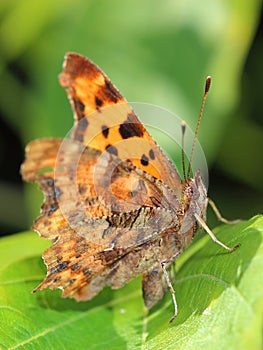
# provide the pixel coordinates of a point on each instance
(183, 126)
(207, 87)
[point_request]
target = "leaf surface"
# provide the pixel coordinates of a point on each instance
(219, 297)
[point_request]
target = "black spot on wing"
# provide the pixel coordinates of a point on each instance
(79, 108)
(53, 207)
(126, 131)
(105, 131)
(111, 149)
(131, 127)
(98, 102)
(151, 154)
(110, 92)
(75, 267)
(79, 130)
(144, 160)
(60, 267)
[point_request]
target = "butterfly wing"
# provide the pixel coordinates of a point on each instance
(99, 221)
(92, 191)
(105, 121)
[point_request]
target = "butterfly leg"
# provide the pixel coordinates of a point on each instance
(169, 284)
(207, 229)
(218, 214)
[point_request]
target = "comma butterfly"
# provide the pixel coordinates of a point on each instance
(115, 206)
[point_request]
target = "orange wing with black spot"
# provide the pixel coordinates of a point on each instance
(105, 121)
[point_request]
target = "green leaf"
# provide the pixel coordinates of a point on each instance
(219, 297)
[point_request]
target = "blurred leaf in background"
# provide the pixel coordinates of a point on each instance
(154, 52)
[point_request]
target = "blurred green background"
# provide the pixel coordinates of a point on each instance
(155, 52)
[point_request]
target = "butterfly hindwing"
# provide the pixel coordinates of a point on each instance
(82, 185)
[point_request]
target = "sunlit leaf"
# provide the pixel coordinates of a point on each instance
(219, 297)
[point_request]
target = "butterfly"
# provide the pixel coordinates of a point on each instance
(115, 206)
